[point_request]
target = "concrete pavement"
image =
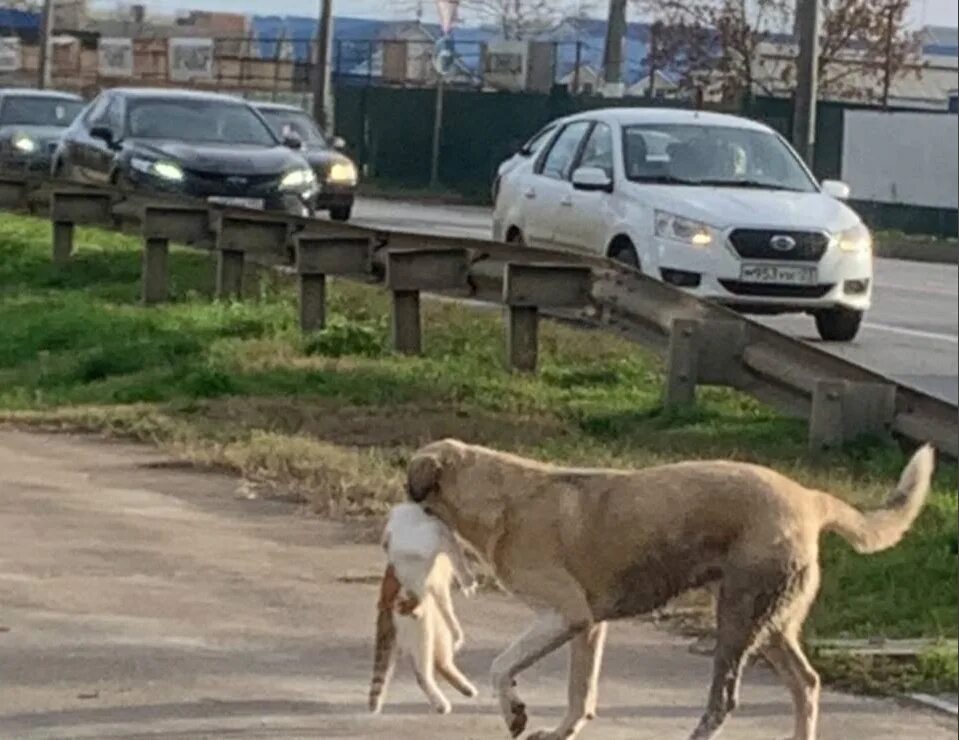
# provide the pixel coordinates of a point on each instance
(911, 334)
(140, 599)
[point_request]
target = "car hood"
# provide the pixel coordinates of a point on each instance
(233, 159)
(40, 133)
(746, 207)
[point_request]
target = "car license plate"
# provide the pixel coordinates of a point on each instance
(760, 272)
(252, 203)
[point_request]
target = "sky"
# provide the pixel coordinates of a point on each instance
(933, 12)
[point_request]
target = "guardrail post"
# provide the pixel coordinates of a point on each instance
(13, 194)
(682, 366)
(156, 271)
(318, 256)
(161, 225)
(236, 237)
(410, 271)
(701, 353)
(69, 209)
(844, 410)
(526, 289)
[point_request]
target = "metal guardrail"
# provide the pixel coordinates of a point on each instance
(704, 343)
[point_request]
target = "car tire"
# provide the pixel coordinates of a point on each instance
(341, 213)
(838, 324)
(625, 253)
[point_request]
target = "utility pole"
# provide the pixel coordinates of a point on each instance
(613, 53)
(887, 62)
(322, 82)
(807, 79)
(46, 31)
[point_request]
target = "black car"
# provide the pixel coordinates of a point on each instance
(31, 123)
(197, 144)
(336, 173)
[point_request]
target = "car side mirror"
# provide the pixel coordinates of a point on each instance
(837, 189)
(292, 141)
(339, 142)
(592, 179)
(104, 133)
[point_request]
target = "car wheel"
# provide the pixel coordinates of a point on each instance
(341, 213)
(626, 254)
(838, 324)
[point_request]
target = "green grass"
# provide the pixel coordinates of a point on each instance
(334, 415)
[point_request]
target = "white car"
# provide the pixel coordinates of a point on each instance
(716, 204)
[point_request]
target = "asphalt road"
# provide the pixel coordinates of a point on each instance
(140, 599)
(911, 334)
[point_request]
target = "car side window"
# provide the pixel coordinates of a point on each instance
(97, 114)
(114, 117)
(536, 143)
(559, 159)
(598, 151)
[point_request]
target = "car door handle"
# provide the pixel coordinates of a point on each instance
(566, 201)
(529, 193)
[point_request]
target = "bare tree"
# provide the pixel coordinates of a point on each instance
(738, 47)
(865, 45)
(716, 43)
(515, 19)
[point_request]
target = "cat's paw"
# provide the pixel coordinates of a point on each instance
(442, 707)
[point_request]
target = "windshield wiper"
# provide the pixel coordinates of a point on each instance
(666, 180)
(755, 184)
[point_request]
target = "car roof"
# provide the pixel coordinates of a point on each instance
(173, 93)
(637, 116)
(27, 92)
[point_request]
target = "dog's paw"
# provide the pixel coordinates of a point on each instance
(442, 707)
(544, 735)
(458, 643)
(469, 589)
(517, 718)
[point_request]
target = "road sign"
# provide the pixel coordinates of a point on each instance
(443, 57)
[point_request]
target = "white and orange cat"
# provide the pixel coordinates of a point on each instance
(415, 611)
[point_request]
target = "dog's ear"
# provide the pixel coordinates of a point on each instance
(423, 477)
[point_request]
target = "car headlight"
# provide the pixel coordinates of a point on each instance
(343, 173)
(170, 171)
(855, 239)
(301, 179)
(23, 143)
(679, 229)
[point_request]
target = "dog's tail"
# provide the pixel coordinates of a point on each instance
(880, 529)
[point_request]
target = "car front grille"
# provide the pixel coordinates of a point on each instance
(810, 246)
(247, 186)
(776, 290)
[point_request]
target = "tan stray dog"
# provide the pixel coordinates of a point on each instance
(585, 546)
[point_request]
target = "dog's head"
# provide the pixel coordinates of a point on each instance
(447, 479)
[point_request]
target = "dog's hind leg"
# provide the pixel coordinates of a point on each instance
(747, 601)
(800, 677)
(785, 655)
(598, 639)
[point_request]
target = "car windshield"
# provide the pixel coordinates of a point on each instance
(284, 122)
(38, 111)
(198, 121)
(720, 156)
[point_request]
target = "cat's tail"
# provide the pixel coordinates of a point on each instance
(385, 645)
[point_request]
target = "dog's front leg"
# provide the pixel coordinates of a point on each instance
(549, 632)
(585, 660)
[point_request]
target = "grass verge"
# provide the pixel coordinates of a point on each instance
(333, 416)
